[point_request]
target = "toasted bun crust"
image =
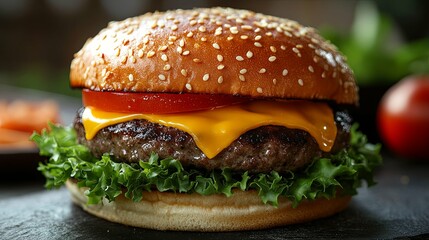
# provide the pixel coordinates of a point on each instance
(215, 51)
(194, 212)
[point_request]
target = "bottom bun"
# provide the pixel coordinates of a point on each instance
(194, 212)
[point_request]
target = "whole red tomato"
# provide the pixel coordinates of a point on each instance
(403, 117)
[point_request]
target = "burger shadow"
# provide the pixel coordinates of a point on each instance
(354, 222)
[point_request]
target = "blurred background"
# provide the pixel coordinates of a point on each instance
(384, 40)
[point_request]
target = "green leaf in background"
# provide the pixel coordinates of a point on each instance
(374, 50)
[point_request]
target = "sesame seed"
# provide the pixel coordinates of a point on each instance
(261, 24)
(233, 30)
(282, 47)
(262, 70)
(272, 58)
(259, 90)
(117, 52)
(220, 67)
(179, 50)
(218, 31)
(163, 48)
(150, 54)
(285, 72)
(174, 27)
(220, 79)
(216, 46)
(273, 49)
(154, 25)
(295, 50)
(323, 75)
(182, 42)
(257, 38)
(190, 34)
(85, 75)
(185, 53)
(203, 39)
(315, 59)
(219, 58)
(229, 38)
(299, 46)
(197, 60)
(184, 72)
(124, 59)
(167, 67)
(239, 58)
(161, 77)
(133, 59)
(300, 82)
(146, 40)
(140, 53)
(131, 77)
(202, 29)
(188, 86)
(206, 77)
(244, 37)
(192, 22)
(311, 69)
(249, 54)
(130, 52)
(258, 44)
(107, 74)
(269, 33)
(274, 81)
(164, 57)
(242, 78)
(243, 71)
(172, 38)
(246, 27)
(286, 33)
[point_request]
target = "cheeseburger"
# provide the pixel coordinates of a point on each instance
(210, 120)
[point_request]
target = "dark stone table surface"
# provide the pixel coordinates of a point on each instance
(396, 208)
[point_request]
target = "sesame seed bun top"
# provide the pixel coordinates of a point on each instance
(216, 51)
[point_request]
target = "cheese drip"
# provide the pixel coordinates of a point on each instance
(214, 130)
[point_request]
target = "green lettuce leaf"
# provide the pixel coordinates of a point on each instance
(105, 178)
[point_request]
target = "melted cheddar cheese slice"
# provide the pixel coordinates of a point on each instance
(214, 130)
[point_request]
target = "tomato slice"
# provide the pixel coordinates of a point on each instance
(157, 103)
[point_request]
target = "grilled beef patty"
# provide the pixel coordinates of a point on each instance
(259, 150)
